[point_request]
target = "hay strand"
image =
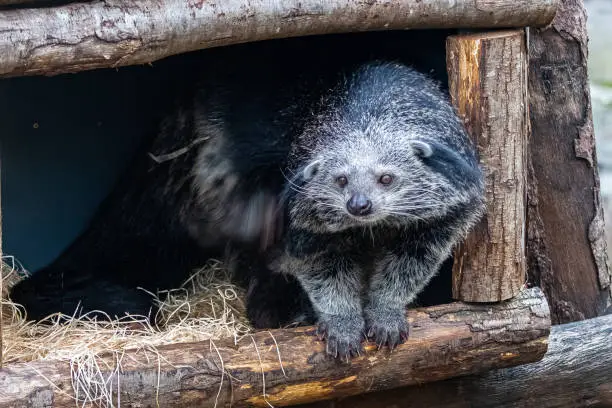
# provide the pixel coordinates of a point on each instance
(206, 307)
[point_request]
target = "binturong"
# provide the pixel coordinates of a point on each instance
(382, 182)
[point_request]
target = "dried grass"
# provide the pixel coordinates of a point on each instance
(206, 307)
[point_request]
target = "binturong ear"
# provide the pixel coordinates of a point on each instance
(311, 170)
(423, 149)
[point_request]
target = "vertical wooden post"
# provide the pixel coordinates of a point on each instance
(1, 273)
(566, 247)
(488, 86)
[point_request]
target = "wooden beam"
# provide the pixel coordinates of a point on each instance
(446, 341)
(488, 85)
(574, 373)
(566, 246)
(115, 33)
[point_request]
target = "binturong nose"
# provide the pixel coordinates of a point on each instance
(359, 205)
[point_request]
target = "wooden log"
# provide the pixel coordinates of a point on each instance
(488, 86)
(566, 246)
(1, 278)
(116, 33)
(575, 372)
(446, 341)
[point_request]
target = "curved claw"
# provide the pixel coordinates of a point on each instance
(392, 330)
(343, 337)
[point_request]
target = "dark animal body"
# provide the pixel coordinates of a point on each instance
(335, 195)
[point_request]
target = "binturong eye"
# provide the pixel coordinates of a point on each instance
(342, 181)
(385, 179)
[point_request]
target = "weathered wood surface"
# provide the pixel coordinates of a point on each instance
(488, 85)
(446, 341)
(566, 247)
(116, 33)
(1, 275)
(575, 372)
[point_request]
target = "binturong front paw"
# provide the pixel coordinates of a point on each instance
(386, 326)
(343, 335)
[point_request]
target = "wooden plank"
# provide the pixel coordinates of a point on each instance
(446, 341)
(575, 372)
(114, 33)
(488, 86)
(566, 246)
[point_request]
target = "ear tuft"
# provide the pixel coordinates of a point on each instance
(421, 148)
(311, 170)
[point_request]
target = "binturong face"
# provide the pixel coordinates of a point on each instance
(386, 148)
(371, 182)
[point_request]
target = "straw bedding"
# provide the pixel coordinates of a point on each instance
(206, 307)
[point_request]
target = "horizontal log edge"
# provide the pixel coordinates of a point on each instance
(575, 372)
(114, 33)
(446, 341)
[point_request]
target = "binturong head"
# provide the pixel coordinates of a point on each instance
(370, 185)
(388, 149)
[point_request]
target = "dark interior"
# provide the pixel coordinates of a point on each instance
(66, 139)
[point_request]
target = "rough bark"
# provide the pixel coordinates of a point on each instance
(116, 33)
(575, 372)
(1, 277)
(566, 245)
(488, 85)
(446, 341)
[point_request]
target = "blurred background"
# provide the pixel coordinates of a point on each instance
(600, 74)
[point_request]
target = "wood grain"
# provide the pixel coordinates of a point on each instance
(566, 246)
(488, 86)
(573, 374)
(446, 341)
(114, 33)
(1, 274)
